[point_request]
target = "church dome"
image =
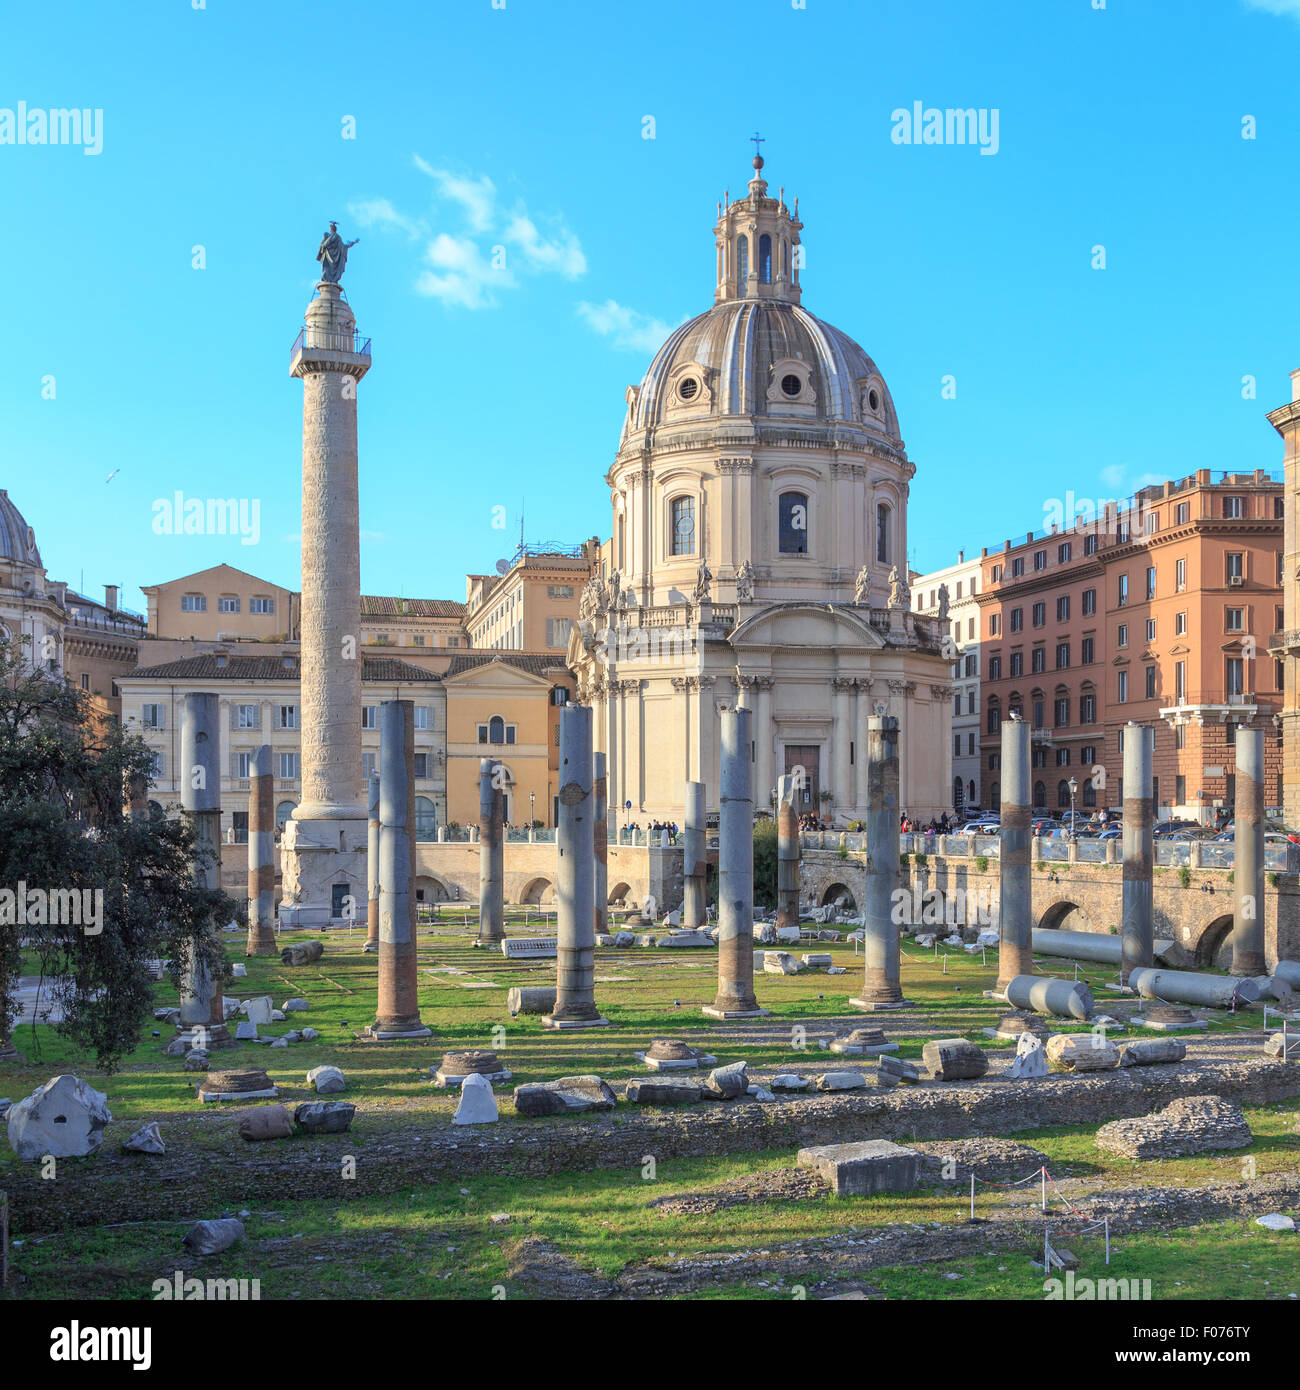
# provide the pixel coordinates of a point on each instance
(763, 357)
(17, 539)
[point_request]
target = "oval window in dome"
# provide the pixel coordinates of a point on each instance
(873, 399)
(791, 385)
(688, 389)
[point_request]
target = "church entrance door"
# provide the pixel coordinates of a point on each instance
(801, 762)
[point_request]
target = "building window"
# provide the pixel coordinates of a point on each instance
(422, 717)
(1040, 614)
(261, 605)
(994, 717)
(1180, 624)
(996, 574)
(1121, 635)
(1151, 682)
(1151, 523)
(559, 591)
(1234, 566)
(1180, 574)
(1087, 715)
(1061, 712)
(956, 703)
(1180, 687)
(995, 624)
(1063, 793)
(1062, 655)
(792, 523)
(1121, 533)
(1235, 684)
(1234, 507)
(1151, 629)
(453, 641)
(1090, 543)
(1180, 735)
(228, 603)
(368, 764)
(1232, 620)
(1089, 602)
(151, 716)
(1017, 619)
(1085, 652)
(742, 263)
(557, 632)
(1040, 796)
(1063, 608)
(194, 603)
(1017, 663)
(683, 524)
(1123, 591)
(422, 765)
(1017, 567)
(1089, 793)
(559, 695)
(1063, 553)
(1151, 581)
(1040, 559)
(882, 534)
(1039, 659)
(239, 824)
(370, 716)
(1121, 689)
(288, 766)
(970, 701)
(1182, 514)
(765, 259)
(417, 639)
(1038, 714)
(956, 745)
(971, 667)
(245, 717)
(243, 765)
(286, 717)
(995, 668)
(1063, 757)
(426, 818)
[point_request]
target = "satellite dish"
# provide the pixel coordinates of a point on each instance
(503, 566)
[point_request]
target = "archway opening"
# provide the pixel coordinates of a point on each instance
(538, 892)
(1214, 949)
(841, 896)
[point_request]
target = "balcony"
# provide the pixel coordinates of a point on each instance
(329, 349)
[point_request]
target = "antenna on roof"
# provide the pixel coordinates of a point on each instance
(503, 566)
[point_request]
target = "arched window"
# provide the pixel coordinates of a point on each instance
(1089, 793)
(683, 526)
(742, 263)
(994, 715)
(970, 790)
(882, 534)
(792, 515)
(958, 793)
(1063, 794)
(765, 259)
(283, 811)
(496, 729)
(995, 798)
(426, 819)
(1040, 796)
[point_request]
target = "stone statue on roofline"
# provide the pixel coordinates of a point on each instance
(745, 583)
(862, 585)
(943, 603)
(899, 594)
(703, 583)
(333, 255)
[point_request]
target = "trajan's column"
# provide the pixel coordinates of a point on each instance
(324, 844)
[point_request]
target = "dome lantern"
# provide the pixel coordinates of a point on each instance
(757, 240)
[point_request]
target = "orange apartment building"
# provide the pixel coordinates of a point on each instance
(1157, 610)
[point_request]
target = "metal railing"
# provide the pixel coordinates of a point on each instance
(329, 340)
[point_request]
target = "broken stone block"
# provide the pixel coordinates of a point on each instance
(954, 1059)
(1191, 1125)
(246, 1032)
(841, 1081)
(324, 1116)
(671, 1054)
(212, 1237)
(456, 1066)
(531, 999)
(238, 971)
(817, 960)
(1283, 1045)
(305, 953)
(1152, 1052)
(780, 963)
(1275, 1221)
(863, 1042)
(478, 1106)
(1080, 1052)
(567, 1095)
(892, 1071)
(309, 1035)
(663, 1092)
(258, 1010)
(726, 1083)
(685, 938)
(196, 1059)
(788, 1081)
(266, 1122)
(64, 1118)
(1031, 1059)
(858, 1170)
(146, 1140)
(326, 1081)
(248, 1084)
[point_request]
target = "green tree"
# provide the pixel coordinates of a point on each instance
(765, 863)
(64, 829)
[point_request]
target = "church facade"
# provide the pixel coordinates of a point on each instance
(758, 555)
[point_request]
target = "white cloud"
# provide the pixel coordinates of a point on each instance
(476, 196)
(461, 274)
(379, 212)
(1283, 7)
(625, 327)
(561, 253)
(1113, 478)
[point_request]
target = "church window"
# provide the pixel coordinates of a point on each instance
(792, 512)
(765, 259)
(873, 400)
(791, 384)
(742, 263)
(882, 534)
(683, 526)
(688, 389)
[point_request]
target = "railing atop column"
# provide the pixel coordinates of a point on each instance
(329, 340)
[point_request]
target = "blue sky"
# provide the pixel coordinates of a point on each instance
(522, 127)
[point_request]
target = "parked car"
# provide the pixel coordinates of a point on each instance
(980, 827)
(1112, 832)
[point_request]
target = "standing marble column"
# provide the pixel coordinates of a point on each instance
(575, 998)
(696, 866)
(1015, 886)
(882, 983)
(202, 1020)
(735, 998)
(787, 855)
(261, 855)
(1137, 934)
(841, 732)
(862, 799)
(491, 853)
(763, 733)
(372, 866)
(600, 836)
(398, 1015)
(1248, 844)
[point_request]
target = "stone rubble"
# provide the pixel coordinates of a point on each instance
(1192, 1125)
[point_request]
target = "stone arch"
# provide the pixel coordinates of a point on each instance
(1213, 950)
(1064, 915)
(435, 889)
(835, 892)
(619, 892)
(539, 891)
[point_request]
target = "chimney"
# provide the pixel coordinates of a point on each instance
(961, 555)
(110, 597)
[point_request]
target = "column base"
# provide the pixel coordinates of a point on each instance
(264, 944)
(721, 1011)
(1251, 965)
(215, 1036)
(371, 948)
(550, 1021)
(398, 1030)
(871, 1006)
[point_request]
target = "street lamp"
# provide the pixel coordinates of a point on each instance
(1074, 787)
(532, 798)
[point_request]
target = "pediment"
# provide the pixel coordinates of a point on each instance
(808, 625)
